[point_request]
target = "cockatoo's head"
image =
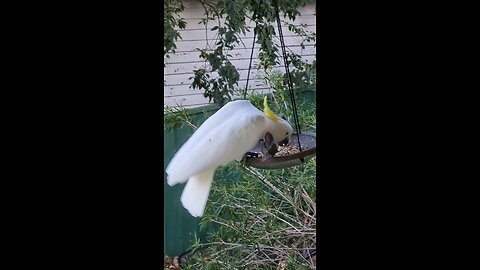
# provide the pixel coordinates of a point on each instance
(280, 128)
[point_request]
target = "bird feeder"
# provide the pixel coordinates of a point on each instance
(289, 155)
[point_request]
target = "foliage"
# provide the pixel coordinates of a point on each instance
(304, 73)
(172, 20)
(221, 88)
(177, 117)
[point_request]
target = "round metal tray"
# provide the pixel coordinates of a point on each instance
(308, 141)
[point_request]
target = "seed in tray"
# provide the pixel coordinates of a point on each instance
(282, 151)
(288, 150)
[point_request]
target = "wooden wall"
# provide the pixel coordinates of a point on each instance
(179, 67)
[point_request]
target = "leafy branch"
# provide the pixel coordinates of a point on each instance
(221, 88)
(172, 21)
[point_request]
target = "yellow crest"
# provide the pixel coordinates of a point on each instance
(267, 110)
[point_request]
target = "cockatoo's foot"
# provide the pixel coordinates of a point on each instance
(268, 147)
(249, 155)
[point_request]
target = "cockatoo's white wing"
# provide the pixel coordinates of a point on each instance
(225, 136)
(225, 113)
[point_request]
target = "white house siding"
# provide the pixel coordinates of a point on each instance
(179, 67)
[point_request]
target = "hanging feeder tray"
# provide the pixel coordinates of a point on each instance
(308, 141)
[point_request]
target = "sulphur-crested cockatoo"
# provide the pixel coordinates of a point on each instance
(225, 136)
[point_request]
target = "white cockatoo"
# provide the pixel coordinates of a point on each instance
(225, 136)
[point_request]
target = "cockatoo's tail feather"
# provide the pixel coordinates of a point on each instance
(195, 194)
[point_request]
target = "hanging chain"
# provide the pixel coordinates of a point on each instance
(250, 65)
(290, 85)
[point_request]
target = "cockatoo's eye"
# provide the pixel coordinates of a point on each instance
(284, 117)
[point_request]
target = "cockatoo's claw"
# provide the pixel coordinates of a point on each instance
(251, 154)
(248, 155)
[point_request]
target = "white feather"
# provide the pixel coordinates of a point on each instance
(195, 194)
(225, 136)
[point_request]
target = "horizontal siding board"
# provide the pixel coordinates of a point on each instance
(183, 78)
(195, 4)
(240, 64)
(185, 100)
(196, 100)
(197, 24)
(202, 34)
(193, 14)
(189, 57)
(189, 46)
(238, 53)
(195, 10)
(176, 90)
(309, 47)
(189, 67)
(197, 14)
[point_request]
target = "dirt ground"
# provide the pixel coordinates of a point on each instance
(170, 263)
